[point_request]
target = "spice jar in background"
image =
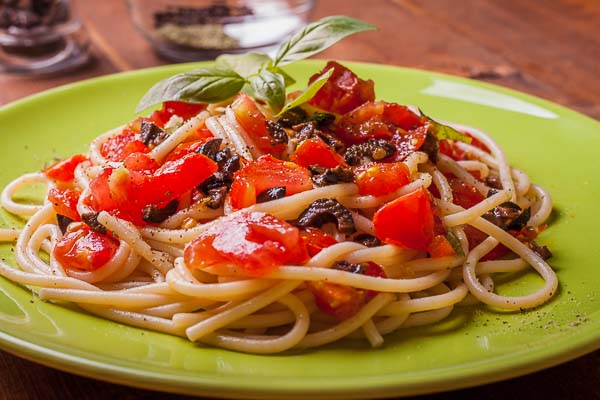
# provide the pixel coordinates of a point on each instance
(40, 36)
(188, 30)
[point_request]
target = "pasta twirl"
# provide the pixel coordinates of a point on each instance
(344, 217)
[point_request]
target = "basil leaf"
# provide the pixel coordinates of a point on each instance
(308, 93)
(287, 79)
(441, 131)
(455, 243)
(206, 85)
(243, 64)
(318, 36)
(269, 87)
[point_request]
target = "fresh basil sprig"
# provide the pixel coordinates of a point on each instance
(307, 93)
(318, 36)
(256, 73)
(441, 131)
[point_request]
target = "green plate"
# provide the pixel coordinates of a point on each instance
(555, 146)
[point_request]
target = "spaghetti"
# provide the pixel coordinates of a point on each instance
(239, 229)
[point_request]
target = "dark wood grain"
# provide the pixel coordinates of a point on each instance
(546, 48)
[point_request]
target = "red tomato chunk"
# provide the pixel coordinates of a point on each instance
(264, 173)
(82, 248)
(64, 170)
(378, 179)
(406, 221)
(316, 152)
(343, 91)
(64, 202)
(256, 242)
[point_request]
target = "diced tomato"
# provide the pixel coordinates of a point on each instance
(341, 301)
(408, 142)
(440, 247)
(475, 237)
(376, 120)
(464, 194)
(82, 248)
(64, 170)
(64, 202)
(118, 147)
(343, 91)
(256, 242)
(378, 179)
(406, 221)
(264, 173)
(179, 108)
(316, 152)
(126, 190)
(254, 124)
(316, 240)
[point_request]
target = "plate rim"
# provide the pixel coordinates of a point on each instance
(571, 347)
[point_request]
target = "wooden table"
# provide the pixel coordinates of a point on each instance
(547, 48)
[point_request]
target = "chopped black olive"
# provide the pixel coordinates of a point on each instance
(431, 147)
(372, 149)
(273, 193)
(153, 214)
(222, 178)
(521, 221)
(492, 192)
(63, 222)
(292, 117)
(322, 211)
(330, 176)
(297, 116)
(277, 133)
(231, 166)
(367, 240)
(91, 219)
(151, 134)
(322, 119)
(216, 197)
(493, 181)
(542, 251)
(210, 148)
(310, 130)
(508, 215)
(355, 268)
(222, 156)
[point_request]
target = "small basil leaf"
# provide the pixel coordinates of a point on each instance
(206, 85)
(287, 79)
(455, 243)
(269, 87)
(318, 36)
(308, 93)
(441, 131)
(243, 64)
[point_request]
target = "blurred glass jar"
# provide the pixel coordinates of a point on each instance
(39, 36)
(188, 30)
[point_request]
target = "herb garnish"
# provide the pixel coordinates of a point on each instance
(256, 73)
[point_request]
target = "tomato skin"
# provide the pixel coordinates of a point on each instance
(256, 242)
(376, 120)
(126, 190)
(182, 109)
(406, 221)
(316, 152)
(378, 179)
(64, 170)
(264, 173)
(118, 147)
(342, 302)
(82, 248)
(254, 124)
(407, 143)
(316, 240)
(343, 91)
(440, 247)
(64, 202)
(464, 194)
